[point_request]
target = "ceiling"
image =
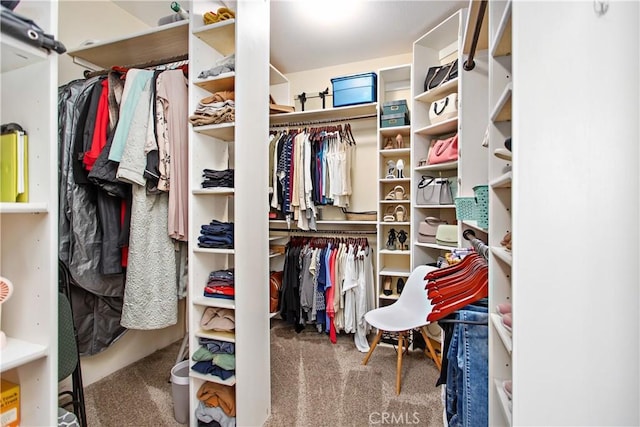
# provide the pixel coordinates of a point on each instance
(303, 38)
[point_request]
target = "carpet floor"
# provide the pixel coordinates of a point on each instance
(313, 384)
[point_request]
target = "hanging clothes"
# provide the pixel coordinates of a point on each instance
(329, 282)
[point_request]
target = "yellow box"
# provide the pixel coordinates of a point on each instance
(10, 404)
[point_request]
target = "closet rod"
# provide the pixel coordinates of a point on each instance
(322, 121)
(354, 232)
(88, 74)
(469, 64)
(480, 247)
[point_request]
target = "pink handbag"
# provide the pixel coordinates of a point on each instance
(444, 150)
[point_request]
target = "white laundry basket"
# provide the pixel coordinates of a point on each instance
(180, 391)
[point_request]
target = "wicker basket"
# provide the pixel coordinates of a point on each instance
(361, 216)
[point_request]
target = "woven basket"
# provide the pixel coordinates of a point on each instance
(361, 216)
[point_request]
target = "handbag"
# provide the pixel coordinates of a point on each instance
(444, 108)
(427, 229)
(443, 150)
(440, 74)
(447, 235)
(434, 191)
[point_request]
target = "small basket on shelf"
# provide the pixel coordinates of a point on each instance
(360, 216)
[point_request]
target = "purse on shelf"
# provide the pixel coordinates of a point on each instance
(444, 109)
(427, 229)
(443, 150)
(447, 235)
(440, 74)
(434, 191)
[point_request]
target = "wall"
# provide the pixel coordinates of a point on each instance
(74, 29)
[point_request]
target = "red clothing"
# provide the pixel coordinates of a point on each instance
(100, 129)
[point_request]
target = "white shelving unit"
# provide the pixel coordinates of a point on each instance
(233, 145)
(561, 152)
(394, 84)
(29, 246)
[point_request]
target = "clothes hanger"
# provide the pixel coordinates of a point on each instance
(460, 289)
(441, 272)
(440, 310)
(469, 268)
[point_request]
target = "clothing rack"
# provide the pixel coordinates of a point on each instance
(166, 61)
(342, 232)
(478, 245)
(469, 64)
(322, 121)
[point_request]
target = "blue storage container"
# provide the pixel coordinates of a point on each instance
(355, 89)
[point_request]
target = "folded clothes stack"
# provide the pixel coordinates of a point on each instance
(220, 284)
(217, 178)
(216, 234)
(215, 109)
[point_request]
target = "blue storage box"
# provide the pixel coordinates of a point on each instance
(355, 89)
(395, 107)
(391, 120)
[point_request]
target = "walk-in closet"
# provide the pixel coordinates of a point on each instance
(260, 213)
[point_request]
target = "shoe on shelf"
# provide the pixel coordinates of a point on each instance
(507, 143)
(503, 308)
(386, 289)
(389, 144)
(400, 168)
(391, 240)
(399, 285)
(507, 321)
(506, 241)
(502, 153)
(402, 237)
(391, 169)
(399, 141)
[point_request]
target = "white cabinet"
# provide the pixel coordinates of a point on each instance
(28, 256)
(240, 145)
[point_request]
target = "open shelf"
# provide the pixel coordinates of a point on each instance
(221, 36)
(435, 206)
(220, 191)
(217, 335)
(212, 378)
(165, 41)
(502, 254)
(394, 252)
(398, 272)
(339, 113)
(502, 111)
(474, 225)
(395, 152)
(18, 352)
(222, 82)
(504, 401)
(441, 91)
(214, 251)
(17, 54)
(503, 181)
(446, 126)
(435, 246)
(502, 40)
(214, 302)
(23, 208)
(225, 131)
(437, 167)
(393, 131)
(503, 333)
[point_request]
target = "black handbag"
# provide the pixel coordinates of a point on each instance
(440, 74)
(24, 29)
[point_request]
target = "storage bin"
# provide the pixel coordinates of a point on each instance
(355, 89)
(395, 107)
(465, 208)
(391, 120)
(482, 205)
(180, 391)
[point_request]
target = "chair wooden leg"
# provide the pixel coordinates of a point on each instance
(375, 342)
(432, 351)
(399, 367)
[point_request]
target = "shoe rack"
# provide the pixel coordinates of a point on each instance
(29, 230)
(394, 182)
(500, 218)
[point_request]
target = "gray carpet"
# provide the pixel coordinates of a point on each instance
(313, 383)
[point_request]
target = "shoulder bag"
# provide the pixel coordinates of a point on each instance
(443, 150)
(434, 191)
(439, 74)
(427, 229)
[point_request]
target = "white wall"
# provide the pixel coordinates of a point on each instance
(80, 21)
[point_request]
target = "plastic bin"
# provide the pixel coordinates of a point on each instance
(180, 391)
(355, 89)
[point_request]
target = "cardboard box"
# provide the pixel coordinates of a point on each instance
(10, 404)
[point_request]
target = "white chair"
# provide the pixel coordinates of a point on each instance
(407, 313)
